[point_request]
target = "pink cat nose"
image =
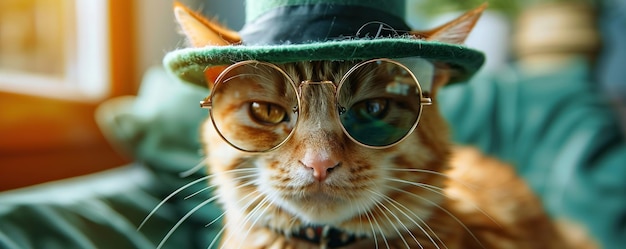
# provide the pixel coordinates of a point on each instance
(321, 164)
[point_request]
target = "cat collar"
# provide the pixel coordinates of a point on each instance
(325, 236)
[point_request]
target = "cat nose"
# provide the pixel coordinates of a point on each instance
(321, 163)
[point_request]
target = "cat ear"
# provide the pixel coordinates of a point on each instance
(455, 31)
(441, 77)
(211, 74)
(202, 32)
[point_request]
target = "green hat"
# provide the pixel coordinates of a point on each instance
(282, 31)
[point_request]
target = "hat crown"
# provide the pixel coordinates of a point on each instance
(280, 22)
(256, 8)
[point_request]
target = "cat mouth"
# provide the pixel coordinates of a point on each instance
(321, 192)
(317, 195)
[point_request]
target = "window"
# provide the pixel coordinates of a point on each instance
(54, 48)
(58, 60)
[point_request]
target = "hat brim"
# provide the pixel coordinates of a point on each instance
(189, 64)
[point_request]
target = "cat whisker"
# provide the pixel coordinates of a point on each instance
(378, 205)
(201, 179)
(447, 212)
(267, 203)
(224, 213)
(185, 217)
(215, 220)
(292, 223)
(253, 212)
(397, 204)
(367, 215)
(198, 192)
(196, 208)
(358, 210)
(382, 233)
(169, 197)
(441, 191)
(429, 187)
(249, 216)
(397, 219)
(437, 190)
(435, 173)
(213, 186)
(380, 229)
(217, 236)
(194, 169)
(262, 205)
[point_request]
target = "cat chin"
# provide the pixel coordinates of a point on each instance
(321, 210)
(319, 216)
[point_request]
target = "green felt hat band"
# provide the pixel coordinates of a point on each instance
(189, 64)
(256, 8)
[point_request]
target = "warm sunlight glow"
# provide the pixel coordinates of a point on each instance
(54, 48)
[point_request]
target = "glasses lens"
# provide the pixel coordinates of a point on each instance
(253, 106)
(379, 102)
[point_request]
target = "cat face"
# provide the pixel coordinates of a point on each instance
(319, 175)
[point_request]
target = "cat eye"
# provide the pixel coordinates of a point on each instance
(254, 106)
(370, 109)
(267, 113)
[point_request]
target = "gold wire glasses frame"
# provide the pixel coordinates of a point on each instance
(207, 103)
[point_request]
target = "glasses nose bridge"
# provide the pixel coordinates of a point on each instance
(305, 83)
(319, 95)
(318, 103)
(309, 83)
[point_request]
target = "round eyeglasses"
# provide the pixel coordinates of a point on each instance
(254, 106)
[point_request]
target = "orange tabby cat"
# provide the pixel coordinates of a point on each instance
(321, 189)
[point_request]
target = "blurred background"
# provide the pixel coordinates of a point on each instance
(59, 59)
